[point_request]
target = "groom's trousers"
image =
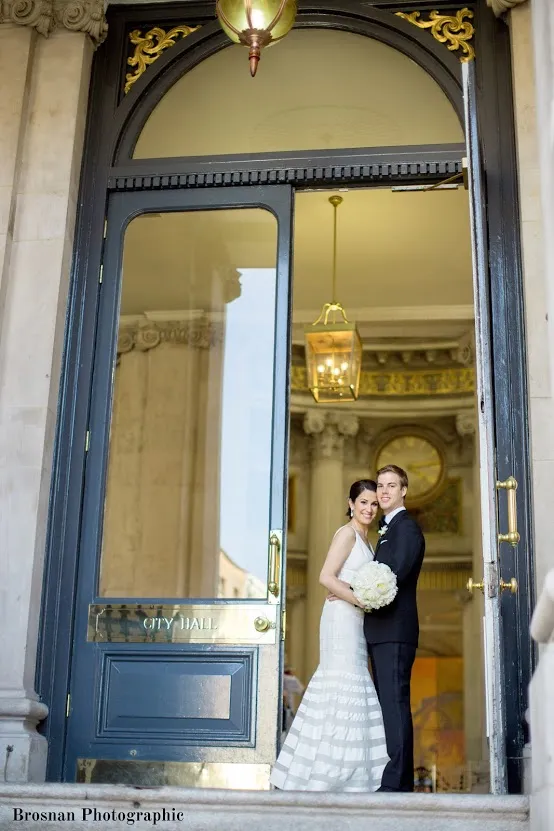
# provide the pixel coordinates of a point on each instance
(391, 666)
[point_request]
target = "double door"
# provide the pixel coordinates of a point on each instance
(177, 644)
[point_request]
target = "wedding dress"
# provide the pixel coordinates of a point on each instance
(337, 740)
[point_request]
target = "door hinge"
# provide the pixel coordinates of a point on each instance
(68, 705)
(101, 275)
(283, 624)
(87, 441)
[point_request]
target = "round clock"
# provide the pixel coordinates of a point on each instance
(421, 460)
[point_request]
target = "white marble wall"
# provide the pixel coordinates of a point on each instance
(532, 32)
(537, 280)
(43, 101)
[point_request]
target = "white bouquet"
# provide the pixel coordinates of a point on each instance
(374, 585)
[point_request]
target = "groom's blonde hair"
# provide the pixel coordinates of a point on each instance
(399, 471)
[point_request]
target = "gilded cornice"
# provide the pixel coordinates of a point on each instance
(46, 16)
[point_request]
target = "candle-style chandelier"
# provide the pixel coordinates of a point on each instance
(256, 23)
(333, 347)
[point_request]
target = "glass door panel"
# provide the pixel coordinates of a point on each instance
(187, 506)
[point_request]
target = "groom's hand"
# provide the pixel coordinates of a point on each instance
(332, 597)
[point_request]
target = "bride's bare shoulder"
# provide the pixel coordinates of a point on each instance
(345, 532)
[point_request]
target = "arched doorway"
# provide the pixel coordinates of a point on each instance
(172, 206)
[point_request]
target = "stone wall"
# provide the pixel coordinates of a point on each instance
(43, 103)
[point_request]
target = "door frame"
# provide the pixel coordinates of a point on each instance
(113, 121)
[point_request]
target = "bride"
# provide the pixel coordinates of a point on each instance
(337, 740)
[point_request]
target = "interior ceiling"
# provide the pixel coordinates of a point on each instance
(395, 250)
(316, 89)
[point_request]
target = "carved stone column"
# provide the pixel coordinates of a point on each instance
(45, 16)
(44, 83)
(161, 528)
(328, 504)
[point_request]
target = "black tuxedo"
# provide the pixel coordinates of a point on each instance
(392, 635)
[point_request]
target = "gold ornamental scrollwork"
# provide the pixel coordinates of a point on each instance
(454, 30)
(422, 382)
(150, 46)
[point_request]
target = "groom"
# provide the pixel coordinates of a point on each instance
(392, 632)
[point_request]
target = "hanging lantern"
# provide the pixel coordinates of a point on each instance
(256, 23)
(333, 346)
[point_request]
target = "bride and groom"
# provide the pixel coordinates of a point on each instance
(352, 733)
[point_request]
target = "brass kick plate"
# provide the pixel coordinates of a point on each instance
(152, 774)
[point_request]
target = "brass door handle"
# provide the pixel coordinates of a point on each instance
(472, 585)
(262, 624)
(274, 563)
(512, 585)
(510, 485)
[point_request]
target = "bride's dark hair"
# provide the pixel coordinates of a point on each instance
(359, 487)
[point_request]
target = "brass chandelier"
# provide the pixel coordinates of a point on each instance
(333, 345)
(256, 23)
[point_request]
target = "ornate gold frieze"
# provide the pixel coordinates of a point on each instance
(46, 15)
(454, 30)
(423, 382)
(150, 46)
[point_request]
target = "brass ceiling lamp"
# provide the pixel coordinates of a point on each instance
(256, 23)
(333, 349)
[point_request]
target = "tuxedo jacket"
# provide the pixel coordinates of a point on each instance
(402, 548)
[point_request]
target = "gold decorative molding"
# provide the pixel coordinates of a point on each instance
(423, 382)
(45, 16)
(150, 46)
(454, 30)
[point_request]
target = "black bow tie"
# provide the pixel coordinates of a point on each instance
(382, 522)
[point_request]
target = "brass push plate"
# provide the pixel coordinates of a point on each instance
(182, 623)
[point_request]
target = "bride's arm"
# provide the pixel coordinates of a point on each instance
(336, 557)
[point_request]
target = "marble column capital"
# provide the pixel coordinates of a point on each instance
(328, 431)
(466, 424)
(87, 16)
(145, 334)
(499, 7)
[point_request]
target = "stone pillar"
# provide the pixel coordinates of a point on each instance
(161, 521)
(43, 102)
(328, 504)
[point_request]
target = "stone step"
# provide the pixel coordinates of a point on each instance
(53, 807)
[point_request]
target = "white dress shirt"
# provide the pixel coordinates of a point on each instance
(392, 514)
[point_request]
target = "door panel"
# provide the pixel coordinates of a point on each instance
(505, 586)
(181, 555)
(492, 631)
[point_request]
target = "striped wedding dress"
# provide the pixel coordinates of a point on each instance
(337, 740)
